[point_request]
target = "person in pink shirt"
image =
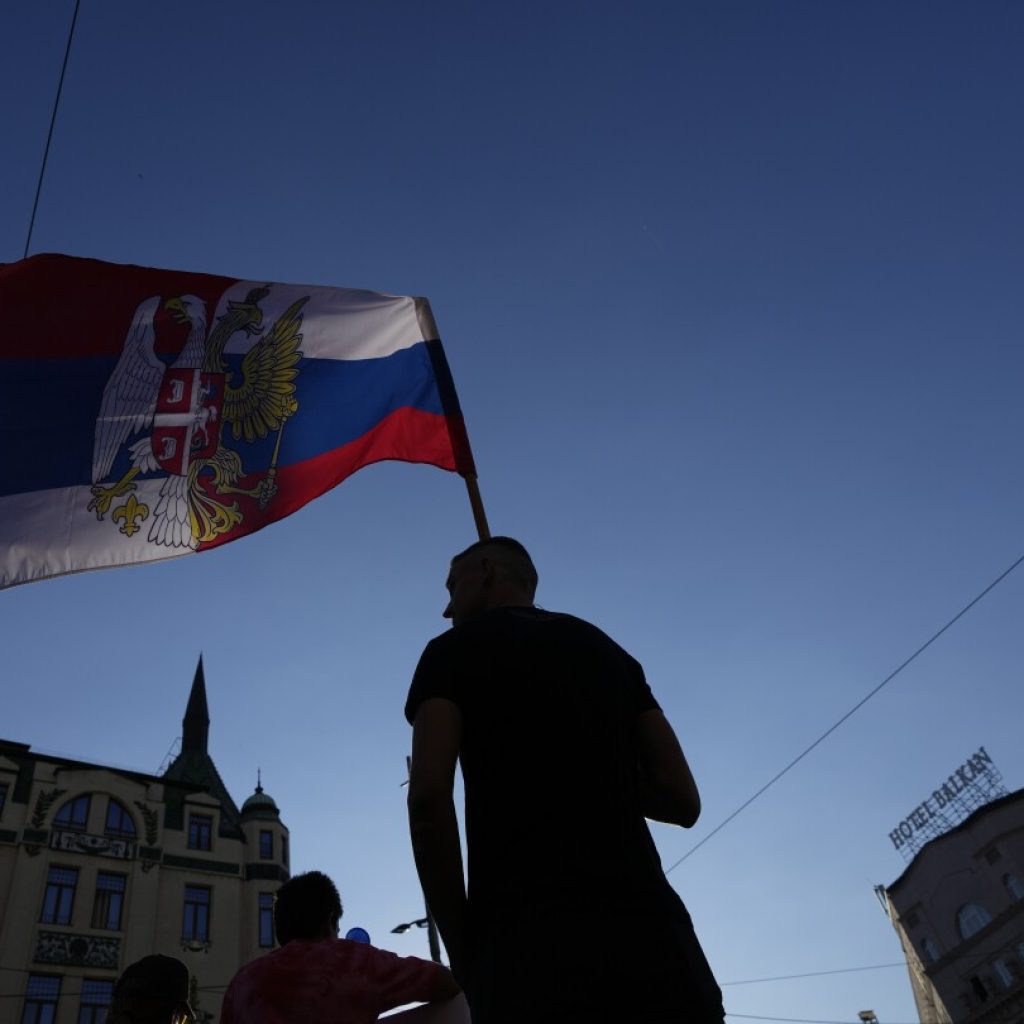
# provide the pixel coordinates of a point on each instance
(316, 977)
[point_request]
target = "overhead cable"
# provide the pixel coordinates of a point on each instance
(49, 134)
(813, 974)
(856, 707)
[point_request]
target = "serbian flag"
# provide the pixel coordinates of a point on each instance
(147, 414)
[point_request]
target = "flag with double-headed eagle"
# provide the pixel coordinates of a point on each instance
(148, 414)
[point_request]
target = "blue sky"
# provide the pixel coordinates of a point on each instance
(731, 295)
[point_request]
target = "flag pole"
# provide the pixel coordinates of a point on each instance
(477, 505)
(450, 404)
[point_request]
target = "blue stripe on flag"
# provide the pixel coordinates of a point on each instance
(48, 412)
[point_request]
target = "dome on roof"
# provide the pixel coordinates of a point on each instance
(260, 805)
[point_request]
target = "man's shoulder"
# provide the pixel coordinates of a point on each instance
(301, 957)
(572, 627)
(502, 625)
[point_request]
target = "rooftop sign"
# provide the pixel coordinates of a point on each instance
(975, 783)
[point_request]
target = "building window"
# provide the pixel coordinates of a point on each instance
(971, 918)
(74, 814)
(200, 831)
(284, 850)
(96, 998)
(59, 896)
(195, 925)
(106, 909)
(266, 844)
(119, 821)
(3, 797)
(41, 997)
(912, 920)
(931, 954)
(1014, 887)
(266, 919)
(1003, 973)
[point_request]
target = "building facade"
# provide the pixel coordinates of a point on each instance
(100, 866)
(958, 910)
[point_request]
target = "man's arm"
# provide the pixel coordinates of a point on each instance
(667, 790)
(445, 986)
(436, 737)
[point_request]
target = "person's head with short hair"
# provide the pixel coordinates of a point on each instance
(493, 573)
(153, 990)
(307, 907)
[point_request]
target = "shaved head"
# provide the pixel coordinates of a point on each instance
(510, 555)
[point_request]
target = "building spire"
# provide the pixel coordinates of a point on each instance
(195, 726)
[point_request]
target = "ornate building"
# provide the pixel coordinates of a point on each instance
(958, 910)
(100, 866)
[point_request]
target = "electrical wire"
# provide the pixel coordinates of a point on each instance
(856, 707)
(812, 974)
(802, 1020)
(723, 984)
(49, 134)
(1009, 1018)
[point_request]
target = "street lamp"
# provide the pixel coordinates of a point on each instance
(423, 922)
(401, 929)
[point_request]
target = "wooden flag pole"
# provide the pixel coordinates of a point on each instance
(477, 505)
(450, 404)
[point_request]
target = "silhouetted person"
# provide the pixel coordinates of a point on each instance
(153, 990)
(317, 978)
(564, 751)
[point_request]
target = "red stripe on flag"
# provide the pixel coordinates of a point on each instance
(58, 307)
(407, 435)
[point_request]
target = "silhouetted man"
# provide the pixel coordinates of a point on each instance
(564, 751)
(317, 978)
(153, 990)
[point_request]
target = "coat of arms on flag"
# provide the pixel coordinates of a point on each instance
(179, 417)
(147, 414)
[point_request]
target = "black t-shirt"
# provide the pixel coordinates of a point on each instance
(549, 761)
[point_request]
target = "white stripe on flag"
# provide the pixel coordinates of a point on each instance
(337, 323)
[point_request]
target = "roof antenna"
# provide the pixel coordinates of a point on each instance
(259, 783)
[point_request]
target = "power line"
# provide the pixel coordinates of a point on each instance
(801, 1020)
(49, 134)
(812, 974)
(1003, 1019)
(856, 707)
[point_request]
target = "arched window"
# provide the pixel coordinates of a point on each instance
(1014, 887)
(119, 821)
(74, 813)
(1003, 973)
(971, 918)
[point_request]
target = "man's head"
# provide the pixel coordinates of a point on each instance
(307, 907)
(493, 573)
(153, 990)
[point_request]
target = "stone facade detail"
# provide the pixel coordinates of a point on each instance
(77, 950)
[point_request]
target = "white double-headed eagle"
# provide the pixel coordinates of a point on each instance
(189, 509)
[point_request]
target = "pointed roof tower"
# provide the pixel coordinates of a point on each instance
(194, 763)
(195, 726)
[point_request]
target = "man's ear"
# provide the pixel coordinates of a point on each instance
(489, 570)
